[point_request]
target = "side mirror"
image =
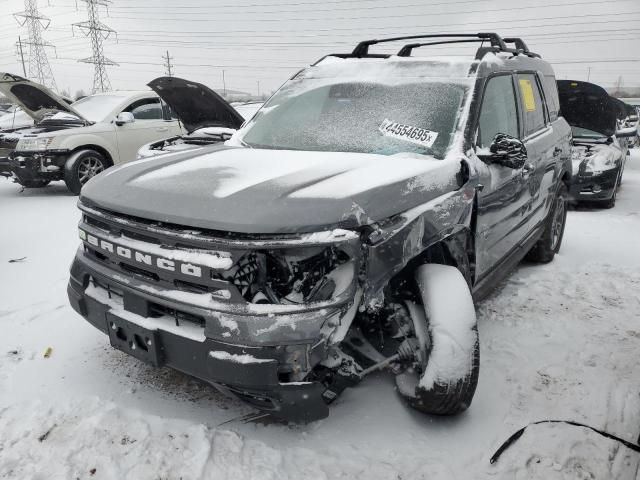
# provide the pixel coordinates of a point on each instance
(125, 117)
(627, 132)
(507, 151)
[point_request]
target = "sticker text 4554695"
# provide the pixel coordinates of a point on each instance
(409, 133)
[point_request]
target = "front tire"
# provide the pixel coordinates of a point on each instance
(446, 328)
(82, 167)
(549, 243)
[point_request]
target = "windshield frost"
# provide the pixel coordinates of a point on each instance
(377, 114)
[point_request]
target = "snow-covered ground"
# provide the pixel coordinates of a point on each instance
(559, 341)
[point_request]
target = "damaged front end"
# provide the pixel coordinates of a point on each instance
(283, 322)
(252, 315)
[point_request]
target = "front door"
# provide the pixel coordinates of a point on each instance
(504, 199)
(149, 125)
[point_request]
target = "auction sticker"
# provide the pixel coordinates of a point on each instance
(409, 133)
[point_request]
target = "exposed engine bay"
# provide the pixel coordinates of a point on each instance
(294, 276)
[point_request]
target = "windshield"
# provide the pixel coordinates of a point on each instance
(586, 133)
(381, 114)
(95, 108)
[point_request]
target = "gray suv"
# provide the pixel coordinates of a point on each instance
(348, 227)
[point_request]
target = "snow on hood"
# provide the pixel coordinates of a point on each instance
(271, 191)
(196, 105)
(16, 119)
(594, 158)
(35, 99)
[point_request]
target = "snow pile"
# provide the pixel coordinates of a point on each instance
(452, 318)
(93, 439)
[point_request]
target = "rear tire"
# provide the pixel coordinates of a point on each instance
(35, 183)
(612, 201)
(446, 328)
(82, 167)
(549, 243)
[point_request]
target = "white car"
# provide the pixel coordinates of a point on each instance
(75, 143)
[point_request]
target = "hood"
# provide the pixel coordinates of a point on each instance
(589, 106)
(623, 110)
(196, 105)
(36, 100)
(270, 191)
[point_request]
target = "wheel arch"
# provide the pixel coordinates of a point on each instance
(455, 250)
(101, 150)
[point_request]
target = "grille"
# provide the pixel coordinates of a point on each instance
(249, 271)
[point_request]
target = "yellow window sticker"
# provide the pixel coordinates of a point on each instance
(527, 94)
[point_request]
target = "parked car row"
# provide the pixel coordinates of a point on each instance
(78, 141)
(347, 227)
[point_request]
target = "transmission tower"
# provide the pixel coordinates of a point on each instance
(39, 68)
(167, 65)
(98, 32)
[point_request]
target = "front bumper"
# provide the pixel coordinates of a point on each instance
(594, 188)
(47, 165)
(257, 374)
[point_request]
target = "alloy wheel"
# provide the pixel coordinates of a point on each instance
(88, 168)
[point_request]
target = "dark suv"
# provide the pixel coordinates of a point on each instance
(347, 228)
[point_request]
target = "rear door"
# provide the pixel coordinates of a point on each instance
(504, 198)
(151, 124)
(542, 132)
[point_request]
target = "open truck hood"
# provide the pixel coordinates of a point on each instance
(589, 106)
(36, 100)
(196, 105)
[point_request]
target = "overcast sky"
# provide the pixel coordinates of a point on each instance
(260, 43)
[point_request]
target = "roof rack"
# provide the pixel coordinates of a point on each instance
(521, 46)
(362, 49)
(497, 44)
(408, 49)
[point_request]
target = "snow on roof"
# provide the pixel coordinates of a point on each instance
(391, 69)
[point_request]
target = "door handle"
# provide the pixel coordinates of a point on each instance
(162, 129)
(527, 169)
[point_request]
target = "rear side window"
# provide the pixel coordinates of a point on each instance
(499, 113)
(551, 95)
(531, 103)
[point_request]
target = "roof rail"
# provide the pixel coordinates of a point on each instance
(362, 49)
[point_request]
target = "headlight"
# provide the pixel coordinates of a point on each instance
(600, 161)
(34, 144)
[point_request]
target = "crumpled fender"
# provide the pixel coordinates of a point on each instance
(447, 218)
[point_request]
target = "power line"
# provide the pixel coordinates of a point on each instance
(385, 17)
(39, 68)
(98, 32)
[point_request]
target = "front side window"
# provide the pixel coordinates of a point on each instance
(379, 115)
(531, 103)
(146, 109)
(498, 113)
